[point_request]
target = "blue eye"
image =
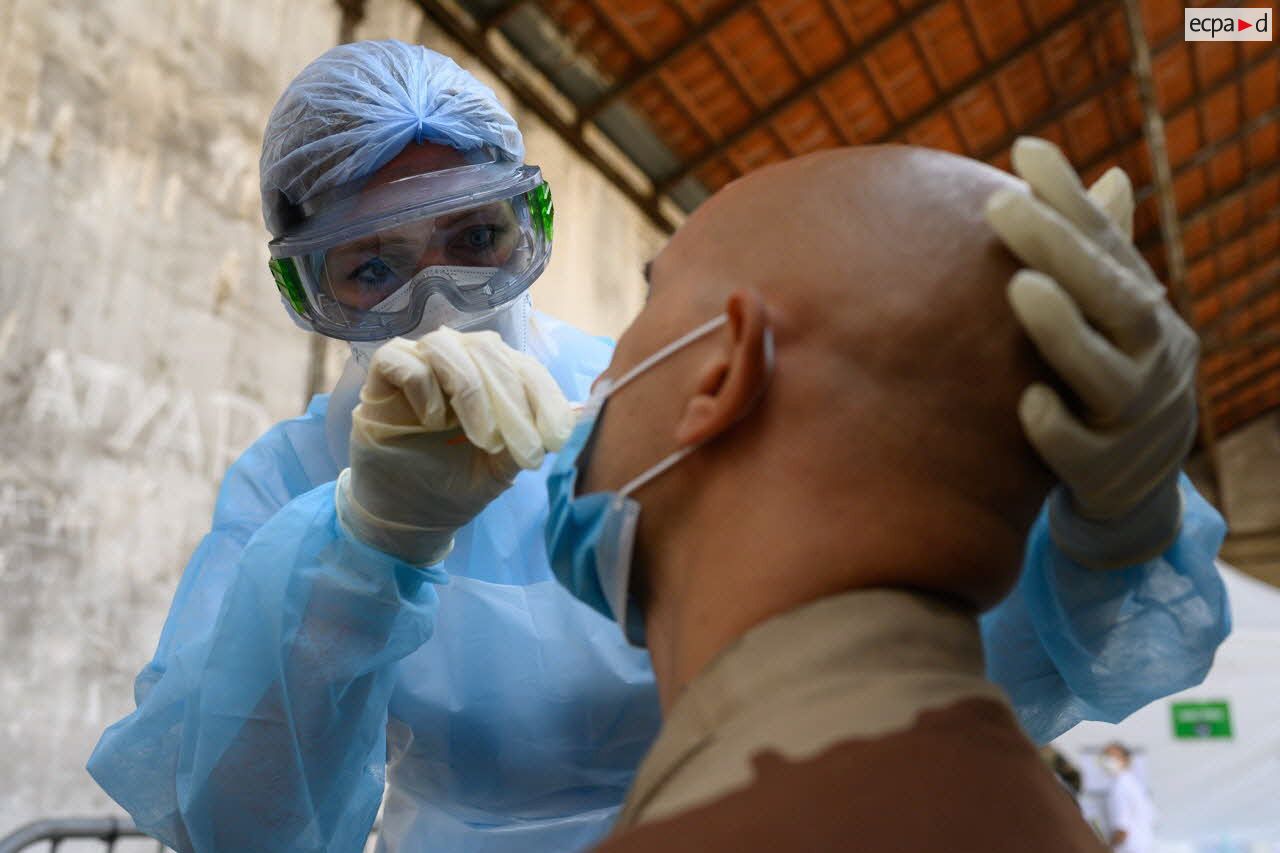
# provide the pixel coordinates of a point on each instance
(479, 239)
(372, 273)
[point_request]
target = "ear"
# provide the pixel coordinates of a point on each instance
(733, 378)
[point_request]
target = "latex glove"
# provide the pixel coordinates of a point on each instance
(443, 426)
(1100, 319)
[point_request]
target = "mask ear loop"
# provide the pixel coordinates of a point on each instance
(657, 470)
(679, 455)
(670, 349)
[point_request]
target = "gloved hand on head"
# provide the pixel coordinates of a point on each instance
(443, 426)
(1099, 317)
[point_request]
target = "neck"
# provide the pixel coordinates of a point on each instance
(711, 581)
(734, 560)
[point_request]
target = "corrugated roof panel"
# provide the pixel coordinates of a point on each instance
(808, 32)
(1183, 131)
(1211, 63)
(1234, 257)
(871, 16)
(807, 129)
(1172, 72)
(1164, 19)
(744, 83)
(980, 117)
(1226, 168)
(948, 45)
(748, 39)
(655, 103)
(1220, 113)
(1071, 65)
(863, 112)
(1027, 88)
(1193, 190)
(1090, 131)
(896, 68)
(1000, 24)
(937, 131)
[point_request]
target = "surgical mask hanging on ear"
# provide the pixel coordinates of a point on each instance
(591, 538)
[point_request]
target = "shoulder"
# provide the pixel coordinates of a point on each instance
(929, 787)
(574, 357)
(281, 464)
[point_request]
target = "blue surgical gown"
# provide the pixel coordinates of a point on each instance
(294, 679)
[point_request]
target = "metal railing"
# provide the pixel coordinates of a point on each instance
(48, 835)
(54, 831)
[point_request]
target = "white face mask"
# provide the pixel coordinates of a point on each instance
(510, 321)
(1112, 765)
(506, 320)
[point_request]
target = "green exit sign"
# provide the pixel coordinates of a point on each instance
(1199, 720)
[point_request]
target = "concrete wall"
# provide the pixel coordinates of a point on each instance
(1243, 481)
(1249, 470)
(142, 344)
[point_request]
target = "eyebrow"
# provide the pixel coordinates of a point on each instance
(491, 211)
(370, 244)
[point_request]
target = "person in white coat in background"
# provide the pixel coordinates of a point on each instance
(1131, 815)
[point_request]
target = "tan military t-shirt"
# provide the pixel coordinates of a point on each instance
(860, 722)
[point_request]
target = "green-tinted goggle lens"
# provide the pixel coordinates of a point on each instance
(288, 283)
(541, 209)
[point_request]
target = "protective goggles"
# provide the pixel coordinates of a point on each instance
(363, 267)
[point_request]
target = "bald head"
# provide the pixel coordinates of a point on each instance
(881, 253)
(888, 437)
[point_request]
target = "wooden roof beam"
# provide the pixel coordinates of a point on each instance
(1100, 86)
(845, 24)
(1002, 98)
(1259, 175)
(1243, 231)
(1255, 341)
(624, 32)
(1202, 127)
(814, 83)
(733, 69)
(620, 30)
(477, 42)
(1246, 377)
(1111, 80)
(1203, 156)
(588, 112)
(500, 15)
(684, 13)
(1255, 294)
(1240, 136)
(1153, 129)
(800, 66)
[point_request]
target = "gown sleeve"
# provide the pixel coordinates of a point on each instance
(261, 720)
(1072, 643)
